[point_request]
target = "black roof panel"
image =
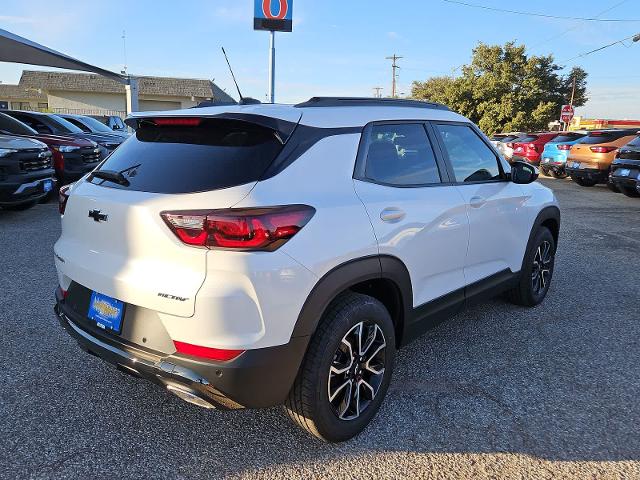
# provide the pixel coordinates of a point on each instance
(368, 102)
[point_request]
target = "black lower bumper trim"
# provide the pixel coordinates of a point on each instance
(256, 379)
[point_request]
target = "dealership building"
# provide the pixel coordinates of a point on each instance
(91, 94)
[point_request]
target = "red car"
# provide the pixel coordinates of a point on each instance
(529, 148)
(72, 157)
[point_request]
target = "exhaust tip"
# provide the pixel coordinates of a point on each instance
(189, 396)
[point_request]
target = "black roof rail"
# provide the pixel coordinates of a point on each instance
(368, 102)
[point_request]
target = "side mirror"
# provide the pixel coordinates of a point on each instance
(523, 173)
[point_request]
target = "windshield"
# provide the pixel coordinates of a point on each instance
(527, 139)
(184, 159)
(62, 124)
(93, 124)
(11, 125)
(508, 138)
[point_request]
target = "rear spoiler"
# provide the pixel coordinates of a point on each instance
(282, 128)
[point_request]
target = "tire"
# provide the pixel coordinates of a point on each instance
(613, 187)
(630, 192)
(328, 366)
(20, 206)
(540, 258)
(584, 182)
(557, 174)
(544, 171)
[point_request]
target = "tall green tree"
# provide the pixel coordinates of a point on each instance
(504, 89)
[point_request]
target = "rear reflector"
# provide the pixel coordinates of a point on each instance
(206, 352)
(603, 149)
(244, 229)
(183, 122)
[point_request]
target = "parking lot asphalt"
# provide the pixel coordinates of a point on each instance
(498, 391)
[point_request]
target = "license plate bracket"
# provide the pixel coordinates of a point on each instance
(106, 312)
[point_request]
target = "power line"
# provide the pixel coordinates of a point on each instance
(576, 25)
(394, 75)
(543, 15)
(601, 48)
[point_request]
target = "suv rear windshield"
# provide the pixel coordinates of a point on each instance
(185, 159)
(508, 138)
(567, 137)
(635, 142)
(603, 137)
(527, 139)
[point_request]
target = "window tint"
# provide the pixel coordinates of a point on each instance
(472, 160)
(63, 125)
(11, 125)
(78, 124)
(184, 159)
(566, 137)
(401, 154)
(33, 123)
(635, 142)
(527, 139)
(603, 137)
(93, 125)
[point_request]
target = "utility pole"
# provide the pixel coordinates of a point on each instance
(573, 90)
(377, 91)
(394, 67)
(272, 67)
(124, 51)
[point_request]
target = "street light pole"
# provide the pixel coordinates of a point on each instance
(272, 67)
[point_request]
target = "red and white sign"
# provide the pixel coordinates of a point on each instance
(566, 113)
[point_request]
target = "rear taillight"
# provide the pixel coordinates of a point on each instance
(564, 146)
(603, 149)
(58, 160)
(251, 229)
(63, 196)
(206, 352)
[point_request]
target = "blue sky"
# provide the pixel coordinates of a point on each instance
(337, 47)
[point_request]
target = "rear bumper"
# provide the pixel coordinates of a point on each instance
(601, 176)
(257, 378)
(532, 159)
(21, 189)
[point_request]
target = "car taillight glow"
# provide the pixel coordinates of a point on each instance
(63, 196)
(206, 352)
(564, 146)
(246, 229)
(603, 149)
(178, 121)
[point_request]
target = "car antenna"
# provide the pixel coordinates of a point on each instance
(243, 100)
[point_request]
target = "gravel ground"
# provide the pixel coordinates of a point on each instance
(498, 391)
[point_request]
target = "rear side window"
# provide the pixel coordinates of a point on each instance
(602, 137)
(185, 159)
(471, 159)
(11, 125)
(401, 154)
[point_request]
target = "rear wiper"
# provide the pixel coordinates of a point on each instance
(110, 175)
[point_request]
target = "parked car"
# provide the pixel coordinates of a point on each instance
(529, 148)
(555, 153)
(91, 125)
(202, 253)
(26, 172)
(505, 146)
(72, 157)
(625, 169)
(114, 122)
(51, 124)
(590, 159)
(499, 137)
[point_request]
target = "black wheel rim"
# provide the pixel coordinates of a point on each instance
(542, 268)
(357, 370)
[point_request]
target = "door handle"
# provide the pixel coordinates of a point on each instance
(477, 201)
(392, 215)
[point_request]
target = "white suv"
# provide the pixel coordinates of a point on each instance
(255, 255)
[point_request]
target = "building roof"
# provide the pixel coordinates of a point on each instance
(83, 82)
(18, 92)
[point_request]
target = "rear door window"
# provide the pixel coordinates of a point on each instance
(184, 159)
(402, 155)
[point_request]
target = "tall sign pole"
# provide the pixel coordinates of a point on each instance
(273, 16)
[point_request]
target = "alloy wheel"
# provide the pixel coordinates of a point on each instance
(542, 265)
(357, 370)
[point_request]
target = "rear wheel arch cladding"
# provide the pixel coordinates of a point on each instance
(548, 217)
(354, 273)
